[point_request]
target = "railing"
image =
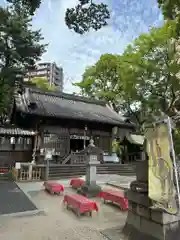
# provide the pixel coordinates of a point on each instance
(66, 159)
(28, 172)
(78, 158)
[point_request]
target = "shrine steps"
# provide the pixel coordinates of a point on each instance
(74, 170)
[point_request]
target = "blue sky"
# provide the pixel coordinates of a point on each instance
(74, 52)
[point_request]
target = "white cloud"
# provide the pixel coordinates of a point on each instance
(75, 52)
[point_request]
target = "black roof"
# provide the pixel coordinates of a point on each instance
(67, 106)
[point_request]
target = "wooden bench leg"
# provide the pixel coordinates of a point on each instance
(78, 212)
(51, 192)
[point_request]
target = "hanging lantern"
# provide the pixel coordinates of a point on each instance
(12, 140)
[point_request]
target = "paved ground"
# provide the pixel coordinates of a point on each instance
(122, 182)
(101, 179)
(58, 222)
(13, 199)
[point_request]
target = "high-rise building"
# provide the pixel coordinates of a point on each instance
(51, 71)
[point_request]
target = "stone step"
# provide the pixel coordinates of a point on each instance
(69, 170)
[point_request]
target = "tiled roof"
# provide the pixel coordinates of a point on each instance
(67, 106)
(14, 131)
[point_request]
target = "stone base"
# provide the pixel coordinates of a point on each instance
(89, 190)
(137, 227)
(143, 222)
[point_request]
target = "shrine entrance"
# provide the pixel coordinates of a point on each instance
(78, 143)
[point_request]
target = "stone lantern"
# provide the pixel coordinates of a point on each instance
(90, 188)
(48, 157)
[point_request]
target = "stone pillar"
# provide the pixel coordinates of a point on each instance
(91, 173)
(30, 171)
(48, 157)
(90, 188)
(142, 221)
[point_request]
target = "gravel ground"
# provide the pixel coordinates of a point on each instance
(60, 223)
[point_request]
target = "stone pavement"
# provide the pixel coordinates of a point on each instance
(13, 200)
(102, 179)
(122, 182)
(60, 223)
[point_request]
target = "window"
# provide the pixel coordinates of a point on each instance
(51, 141)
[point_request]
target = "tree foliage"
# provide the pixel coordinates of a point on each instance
(151, 75)
(43, 83)
(20, 48)
(143, 82)
(170, 8)
(87, 15)
(29, 5)
(101, 80)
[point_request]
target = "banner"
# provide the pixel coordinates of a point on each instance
(162, 191)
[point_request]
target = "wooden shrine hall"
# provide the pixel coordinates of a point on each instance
(66, 122)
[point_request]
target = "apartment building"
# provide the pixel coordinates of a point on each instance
(48, 70)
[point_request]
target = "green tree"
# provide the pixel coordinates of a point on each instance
(171, 11)
(20, 48)
(170, 8)
(150, 73)
(87, 15)
(84, 16)
(101, 81)
(143, 82)
(29, 5)
(43, 83)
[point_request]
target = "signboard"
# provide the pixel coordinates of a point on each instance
(41, 151)
(48, 155)
(18, 165)
(79, 137)
(161, 183)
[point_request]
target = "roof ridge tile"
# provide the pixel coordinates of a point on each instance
(68, 96)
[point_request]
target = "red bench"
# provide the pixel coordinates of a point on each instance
(53, 187)
(80, 204)
(115, 197)
(76, 182)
